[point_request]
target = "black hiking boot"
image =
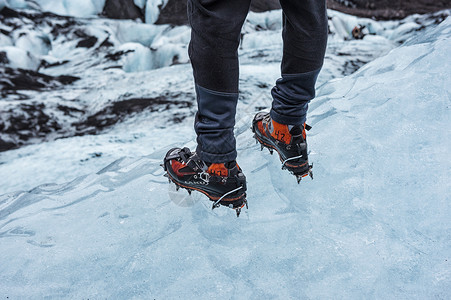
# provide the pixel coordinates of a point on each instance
(290, 143)
(224, 184)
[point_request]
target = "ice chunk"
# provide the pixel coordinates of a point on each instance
(80, 8)
(261, 40)
(153, 10)
(17, 4)
(139, 59)
(33, 42)
(5, 40)
(19, 58)
(270, 20)
(139, 33)
(140, 3)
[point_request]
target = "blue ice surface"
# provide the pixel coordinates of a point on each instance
(374, 223)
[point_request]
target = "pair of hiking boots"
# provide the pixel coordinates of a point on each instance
(225, 183)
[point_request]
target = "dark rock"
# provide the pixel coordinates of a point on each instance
(7, 12)
(4, 58)
(174, 12)
(117, 55)
(387, 9)
(352, 66)
(106, 44)
(63, 28)
(122, 9)
(12, 80)
(118, 111)
(46, 64)
(29, 121)
(69, 111)
(5, 146)
(87, 42)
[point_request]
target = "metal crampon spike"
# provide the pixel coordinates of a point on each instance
(166, 175)
(299, 178)
(311, 174)
(261, 147)
(238, 211)
(245, 202)
(162, 165)
(271, 151)
(177, 188)
(189, 192)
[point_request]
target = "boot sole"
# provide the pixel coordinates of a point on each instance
(237, 202)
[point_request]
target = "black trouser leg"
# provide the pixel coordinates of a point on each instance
(213, 50)
(304, 46)
(216, 27)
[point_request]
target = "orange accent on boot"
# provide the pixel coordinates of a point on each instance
(218, 170)
(261, 128)
(176, 166)
(281, 132)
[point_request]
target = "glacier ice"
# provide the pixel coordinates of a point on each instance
(144, 34)
(140, 3)
(80, 8)
(374, 223)
(19, 58)
(153, 10)
(5, 40)
(139, 59)
(34, 42)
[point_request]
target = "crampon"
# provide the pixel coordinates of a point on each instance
(289, 143)
(223, 184)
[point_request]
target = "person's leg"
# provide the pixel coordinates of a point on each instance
(215, 37)
(283, 128)
(305, 37)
